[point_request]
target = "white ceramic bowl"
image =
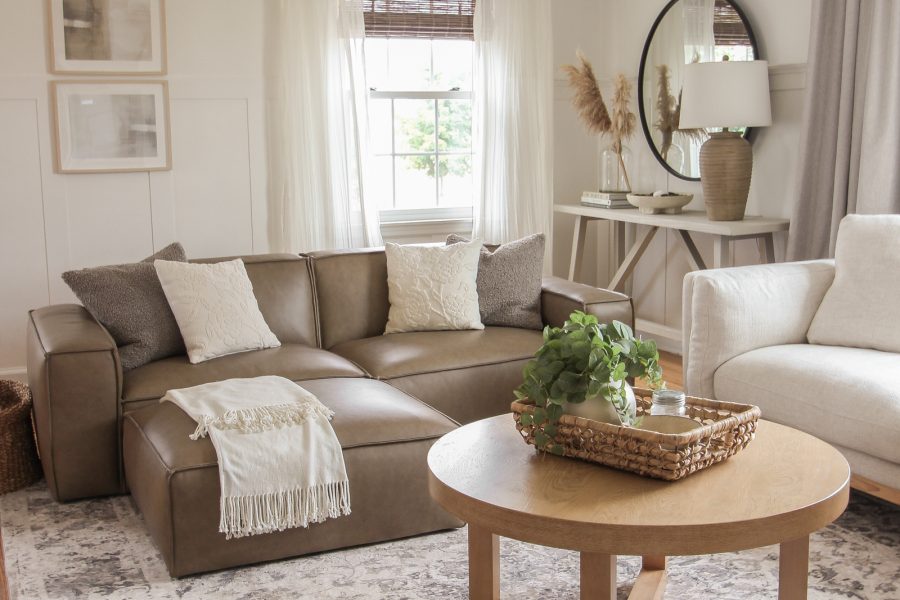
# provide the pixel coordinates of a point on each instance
(652, 205)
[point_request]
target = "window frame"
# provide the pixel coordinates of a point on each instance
(433, 214)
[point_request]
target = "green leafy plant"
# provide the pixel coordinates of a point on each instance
(584, 360)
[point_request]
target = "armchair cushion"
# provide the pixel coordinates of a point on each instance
(862, 307)
(846, 396)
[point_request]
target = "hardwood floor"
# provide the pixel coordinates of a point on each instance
(671, 365)
(671, 368)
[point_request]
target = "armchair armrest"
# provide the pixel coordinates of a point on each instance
(727, 312)
(76, 380)
(560, 297)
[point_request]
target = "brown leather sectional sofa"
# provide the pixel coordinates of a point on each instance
(103, 431)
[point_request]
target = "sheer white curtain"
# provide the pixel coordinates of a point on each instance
(699, 36)
(513, 119)
(317, 126)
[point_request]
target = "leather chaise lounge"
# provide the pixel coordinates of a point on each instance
(103, 431)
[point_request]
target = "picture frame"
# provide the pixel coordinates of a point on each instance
(111, 126)
(106, 37)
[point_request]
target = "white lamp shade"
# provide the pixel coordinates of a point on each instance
(726, 94)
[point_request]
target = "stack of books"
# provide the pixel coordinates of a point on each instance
(605, 199)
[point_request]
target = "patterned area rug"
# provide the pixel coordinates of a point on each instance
(101, 549)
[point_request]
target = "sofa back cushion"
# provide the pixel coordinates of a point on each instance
(862, 307)
(282, 284)
(352, 293)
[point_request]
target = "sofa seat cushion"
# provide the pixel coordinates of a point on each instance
(293, 361)
(385, 435)
(846, 396)
(403, 354)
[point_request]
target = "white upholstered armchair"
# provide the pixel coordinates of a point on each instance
(745, 340)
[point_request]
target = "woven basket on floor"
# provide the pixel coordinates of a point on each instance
(727, 428)
(19, 464)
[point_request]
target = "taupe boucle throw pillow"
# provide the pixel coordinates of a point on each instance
(509, 282)
(129, 301)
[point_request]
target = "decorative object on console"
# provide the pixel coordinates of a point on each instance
(618, 123)
(584, 362)
(726, 94)
(668, 113)
(659, 202)
(509, 282)
(433, 288)
(862, 307)
(215, 308)
(104, 127)
(109, 37)
(130, 303)
(19, 464)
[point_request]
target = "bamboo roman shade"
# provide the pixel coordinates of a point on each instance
(728, 27)
(442, 19)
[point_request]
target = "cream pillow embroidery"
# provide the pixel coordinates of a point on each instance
(215, 308)
(433, 287)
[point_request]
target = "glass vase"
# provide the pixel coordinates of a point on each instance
(615, 170)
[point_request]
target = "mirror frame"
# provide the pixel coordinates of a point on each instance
(640, 81)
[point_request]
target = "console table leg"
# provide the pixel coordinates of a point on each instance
(578, 239)
(722, 256)
(793, 569)
(598, 576)
(484, 564)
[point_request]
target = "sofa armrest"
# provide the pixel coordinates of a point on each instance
(76, 380)
(560, 297)
(727, 312)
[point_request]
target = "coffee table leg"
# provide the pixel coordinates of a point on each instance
(484, 564)
(598, 576)
(793, 569)
(651, 581)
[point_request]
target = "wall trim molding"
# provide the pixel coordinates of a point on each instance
(17, 373)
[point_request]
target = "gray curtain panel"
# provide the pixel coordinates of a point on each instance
(850, 141)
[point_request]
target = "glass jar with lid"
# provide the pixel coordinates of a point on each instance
(668, 402)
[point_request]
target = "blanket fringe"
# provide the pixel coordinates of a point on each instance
(264, 513)
(262, 418)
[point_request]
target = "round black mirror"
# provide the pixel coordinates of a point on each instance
(686, 31)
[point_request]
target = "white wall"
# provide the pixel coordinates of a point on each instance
(212, 201)
(782, 30)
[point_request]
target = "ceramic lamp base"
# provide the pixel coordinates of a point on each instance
(726, 164)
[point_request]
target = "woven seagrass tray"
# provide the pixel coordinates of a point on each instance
(727, 428)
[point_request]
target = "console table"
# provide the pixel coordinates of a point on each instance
(689, 221)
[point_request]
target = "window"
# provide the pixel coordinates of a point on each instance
(420, 109)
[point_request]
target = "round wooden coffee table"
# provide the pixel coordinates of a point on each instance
(782, 487)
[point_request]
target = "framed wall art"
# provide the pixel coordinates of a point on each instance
(103, 127)
(107, 37)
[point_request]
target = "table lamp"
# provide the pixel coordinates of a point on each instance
(727, 94)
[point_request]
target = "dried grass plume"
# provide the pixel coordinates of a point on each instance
(588, 99)
(668, 114)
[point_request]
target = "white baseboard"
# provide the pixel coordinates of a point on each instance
(16, 373)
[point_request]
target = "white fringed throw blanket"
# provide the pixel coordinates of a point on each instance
(280, 463)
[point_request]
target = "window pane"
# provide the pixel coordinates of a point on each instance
(381, 181)
(455, 125)
(452, 64)
(414, 125)
(376, 62)
(380, 126)
(456, 180)
(415, 181)
(409, 66)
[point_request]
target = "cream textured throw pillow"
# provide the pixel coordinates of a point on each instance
(862, 306)
(433, 287)
(215, 308)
